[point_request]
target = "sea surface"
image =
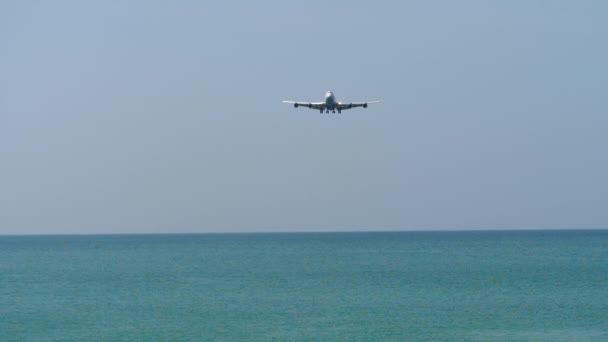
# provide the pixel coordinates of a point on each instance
(402, 286)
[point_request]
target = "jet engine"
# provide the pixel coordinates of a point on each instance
(365, 105)
(310, 105)
(295, 105)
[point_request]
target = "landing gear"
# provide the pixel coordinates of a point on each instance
(327, 111)
(321, 111)
(333, 111)
(339, 111)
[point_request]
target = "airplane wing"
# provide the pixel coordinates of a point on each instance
(311, 105)
(349, 105)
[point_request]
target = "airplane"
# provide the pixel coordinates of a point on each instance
(330, 103)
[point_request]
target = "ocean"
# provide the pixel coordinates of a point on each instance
(401, 286)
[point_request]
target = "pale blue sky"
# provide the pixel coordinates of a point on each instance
(165, 116)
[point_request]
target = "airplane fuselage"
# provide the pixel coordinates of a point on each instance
(330, 101)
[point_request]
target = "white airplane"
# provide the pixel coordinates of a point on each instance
(330, 103)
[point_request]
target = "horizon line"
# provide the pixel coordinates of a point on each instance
(317, 232)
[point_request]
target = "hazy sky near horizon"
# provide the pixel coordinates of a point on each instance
(165, 116)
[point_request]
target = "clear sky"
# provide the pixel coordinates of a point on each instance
(165, 116)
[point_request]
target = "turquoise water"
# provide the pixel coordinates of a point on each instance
(507, 285)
